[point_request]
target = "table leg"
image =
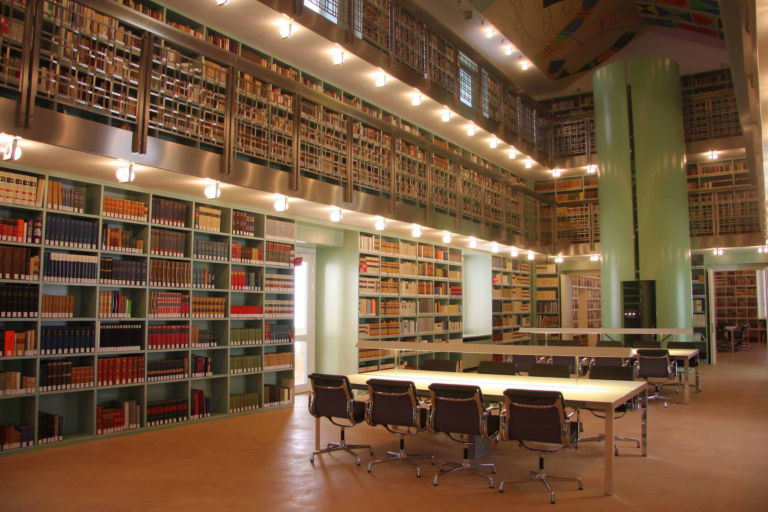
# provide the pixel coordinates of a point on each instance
(609, 447)
(317, 433)
(686, 389)
(696, 371)
(644, 422)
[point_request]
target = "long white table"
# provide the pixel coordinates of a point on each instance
(597, 394)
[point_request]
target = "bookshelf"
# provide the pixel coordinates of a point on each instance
(581, 301)
(547, 295)
(125, 309)
(578, 211)
(511, 299)
(736, 302)
(407, 291)
(699, 296)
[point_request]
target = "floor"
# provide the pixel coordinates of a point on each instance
(711, 455)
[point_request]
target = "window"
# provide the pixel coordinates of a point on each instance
(491, 92)
(467, 74)
(327, 8)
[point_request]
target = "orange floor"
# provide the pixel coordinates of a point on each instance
(711, 455)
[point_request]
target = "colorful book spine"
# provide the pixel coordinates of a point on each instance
(27, 231)
(162, 412)
(120, 337)
(122, 272)
(22, 263)
(168, 336)
(67, 339)
(71, 232)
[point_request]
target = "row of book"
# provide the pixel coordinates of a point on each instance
(278, 308)
(16, 437)
(17, 188)
(59, 375)
(242, 402)
(117, 416)
(168, 304)
(245, 311)
(203, 278)
(168, 369)
(19, 343)
(211, 250)
(120, 240)
(14, 382)
(21, 263)
(123, 272)
(207, 218)
(277, 395)
(381, 328)
(169, 273)
(246, 280)
(168, 336)
(57, 306)
(209, 307)
(127, 209)
(278, 253)
(246, 254)
(168, 243)
(161, 412)
(50, 427)
(201, 404)
(120, 337)
(113, 304)
(245, 336)
(65, 231)
(202, 366)
(243, 223)
(17, 301)
(203, 337)
(245, 364)
(169, 212)
(278, 360)
(63, 267)
(279, 228)
(281, 283)
(27, 231)
(65, 197)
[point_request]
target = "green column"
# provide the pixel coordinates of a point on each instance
(661, 188)
(615, 192)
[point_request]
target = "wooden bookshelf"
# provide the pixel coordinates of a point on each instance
(131, 302)
(700, 306)
(547, 297)
(736, 302)
(407, 291)
(582, 303)
(511, 299)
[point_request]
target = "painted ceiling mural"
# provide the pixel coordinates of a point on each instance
(567, 37)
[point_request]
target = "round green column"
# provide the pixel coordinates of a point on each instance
(661, 187)
(615, 188)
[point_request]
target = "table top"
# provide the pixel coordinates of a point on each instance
(606, 330)
(604, 393)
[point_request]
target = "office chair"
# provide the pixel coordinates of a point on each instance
(440, 365)
(559, 371)
(497, 367)
(524, 362)
(538, 417)
(393, 404)
(459, 412)
(654, 366)
(647, 344)
(692, 364)
(740, 337)
(606, 361)
(331, 397)
(612, 373)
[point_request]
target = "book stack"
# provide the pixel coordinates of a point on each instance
(16, 188)
(169, 273)
(246, 254)
(203, 278)
(21, 343)
(169, 212)
(58, 375)
(114, 371)
(211, 250)
(64, 197)
(250, 336)
(203, 337)
(120, 240)
(113, 304)
(168, 243)
(169, 369)
(19, 263)
(57, 306)
(246, 280)
(123, 272)
(278, 361)
(18, 301)
(369, 285)
(21, 230)
(209, 307)
(16, 437)
(120, 337)
(280, 228)
(15, 383)
(201, 404)
(168, 304)
(50, 427)
(126, 209)
(245, 364)
(62, 267)
(201, 366)
(274, 308)
(246, 311)
(280, 283)
(208, 219)
(243, 402)
(67, 339)
(71, 232)
(168, 336)
(243, 223)
(162, 412)
(278, 254)
(119, 415)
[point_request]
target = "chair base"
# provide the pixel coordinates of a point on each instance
(544, 478)
(342, 446)
(401, 455)
(601, 437)
(465, 466)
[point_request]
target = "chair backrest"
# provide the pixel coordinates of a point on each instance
(607, 361)
(566, 343)
(568, 361)
(392, 402)
(549, 370)
(331, 396)
(524, 362)
(647, 344)
(609, 343)
(456, 409)
(497, 367)
(682, 344)
(653, 363)
(440, 365)
(612, 373)
(537, 416)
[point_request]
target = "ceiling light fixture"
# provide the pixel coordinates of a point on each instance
(591, 168)
(379, 223)
(514, 252)
(558, 259)
(472, 242)
(445, 115)
(524, 65)
(594, 257)
(416, 99)
(286, 28)
(125, 174)
(528, 163)
(493, 143)
(222, 3)
(717, 252)
(281, 203)
(712, 154)
(512, 153)
(556, 172)
(381, 78)
(471, 130)
(489, 32)
(9, 146)
(531, 256)
(337, 56)
(447, 237)
(212, 190)
(416, 231)
(762, 250)
(509, 49)
(494, 247)
(335, 214)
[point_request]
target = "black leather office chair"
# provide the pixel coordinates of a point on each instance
(560, 371)
(497, 367)
(440, 365)
(654, 366)
(647, 344)
(459, 412)
(612, 373)
(537, 420)
(740, 337)
(393, 404)
(524, 362)
(331, 397)
(692, 364)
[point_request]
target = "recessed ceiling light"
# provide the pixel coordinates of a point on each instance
(514, 252)
(509, 49)
(493, 143)
(281, 203)
(489, 32)
(556, 172)
(445, 115)
(531, 255)
(212, 190)
(558, 259)
(337, 56)
(494, 247)
(286, 29)
(416, 231)
(447, 237)
(512, 153)
(528, 163)
(335, 214)
(712, 154)
(221, 3)
(381, 78)
(591, 168)
(379, 223)
(471, 129)
(472, 242)
(524, 65)
(9, 146)
(125, 174)
(416, 99)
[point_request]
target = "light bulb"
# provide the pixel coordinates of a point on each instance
(531, 256)
(445, 115)
(212, 191)
(528, 163)
(447, 237)
(379, 223)
(416, 99)
(472, 242)
(493, 143)
(281, 203)
(416, 231)
(381, 78)
(514, 252)
(125, 174)
(335, 214)
(512, 153)
(558, 259)
(471, 130)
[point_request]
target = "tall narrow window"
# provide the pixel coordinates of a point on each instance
(467, 76)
